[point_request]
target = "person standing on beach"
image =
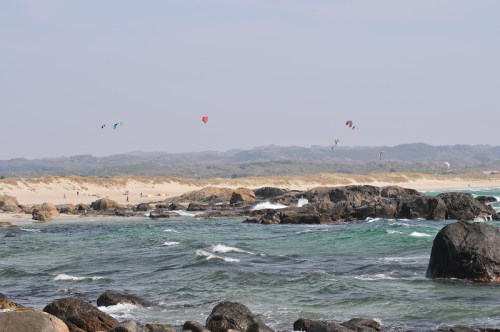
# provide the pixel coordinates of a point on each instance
(127, 199)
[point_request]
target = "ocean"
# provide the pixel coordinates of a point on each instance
(186, 265)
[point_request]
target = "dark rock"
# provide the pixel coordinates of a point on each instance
(104, 204)
(124, 212)
(82, 207)
(9, 204)
(197, 206)
(31, 320)
(231, 315)
(268, 192)
(143, 207)
(486, 199)
(308, 325)
(310, 219)
(159, 213)
(194, 327)
(160, 328)
(130, 326)
(358, 323)
(429, 208)
(259, 327)
(45, 212)
(465, 250)
(80, 315)
(463, 206)
(217, 214)
(109, 298)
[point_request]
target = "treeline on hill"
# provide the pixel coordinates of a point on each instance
(265, 161)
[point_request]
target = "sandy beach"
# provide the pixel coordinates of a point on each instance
(75, 189)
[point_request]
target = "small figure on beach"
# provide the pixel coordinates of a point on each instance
(77, 193)
(127, 199)
(64, 196)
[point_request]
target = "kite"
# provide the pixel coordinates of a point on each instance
(335, 142)
(204, 118)
(348, 123)
(380, 155)
(447, 164)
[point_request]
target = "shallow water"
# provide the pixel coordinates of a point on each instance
(374, 269)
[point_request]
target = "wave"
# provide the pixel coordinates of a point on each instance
(64, 276)
(268, 206)
(209, 256)
(184, 213)
(170, 244)
(169, 230)
(418, 234)
(120, 311)
(222, 249)
(371, 277)
(389, 231)
(403, 259)
(302, 202)
(32, 230)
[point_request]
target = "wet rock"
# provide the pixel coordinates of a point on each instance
(269, 192)
(110, 297)
(130, 326)
(194, 327)
(465, 250)
(143, 207)
(308, 325)
(463, 206)
(486, 199)
(31, 320)
(80, 315)
(160, 328)
(124, 212)
(357, 324)
(231, 315)
(159, 213)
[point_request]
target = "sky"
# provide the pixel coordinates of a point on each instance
(286, 73)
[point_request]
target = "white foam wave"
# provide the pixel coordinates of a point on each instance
(222, 249)
(171, 243)
(404, 259)
(33, 230)
(389, 231)
(168, 230)
(302, 201)
(370, 277)
(418, 234)
(120, 311)
(210, 256)
(268, 205)
(370, 219)
(184, 213)
(64, 276)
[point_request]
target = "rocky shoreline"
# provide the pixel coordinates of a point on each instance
(77, 315)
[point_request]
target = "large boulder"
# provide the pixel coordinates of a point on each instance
(465, 250)
(104, 204)
(45, 212)
(9, 204)
(110, 297)
(80, 315)
(309, 325)
(31, 320)
(268, 192)
(231, 316)
(242, 195)
(207, 195)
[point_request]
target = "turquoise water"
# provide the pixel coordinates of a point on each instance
(374, 269)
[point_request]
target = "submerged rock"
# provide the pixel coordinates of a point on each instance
(110, 297)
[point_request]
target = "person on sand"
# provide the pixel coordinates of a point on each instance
(127, 199)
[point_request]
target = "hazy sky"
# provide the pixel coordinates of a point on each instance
(265, 72)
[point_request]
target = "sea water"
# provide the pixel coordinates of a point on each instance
(186, 265)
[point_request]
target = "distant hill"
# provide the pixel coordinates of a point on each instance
(268, 160)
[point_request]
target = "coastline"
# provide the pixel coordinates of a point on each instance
(76, 189)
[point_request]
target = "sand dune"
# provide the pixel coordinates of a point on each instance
(75, 189)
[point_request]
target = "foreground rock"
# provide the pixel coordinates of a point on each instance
(80, 315)
(466, 251)
(31, 320)
(45, 212)
(232, 316)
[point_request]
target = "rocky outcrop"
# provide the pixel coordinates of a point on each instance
(80, 315)
(9, 204)
(207, 195)
(104, 204)
(110, 297)
(231, 316)
(31, 320)
(45, 212)
(242, 195)
(143, 207)
(269, 192)
(465, 250)
(159, 213)
(463, 206)
(66, 208)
